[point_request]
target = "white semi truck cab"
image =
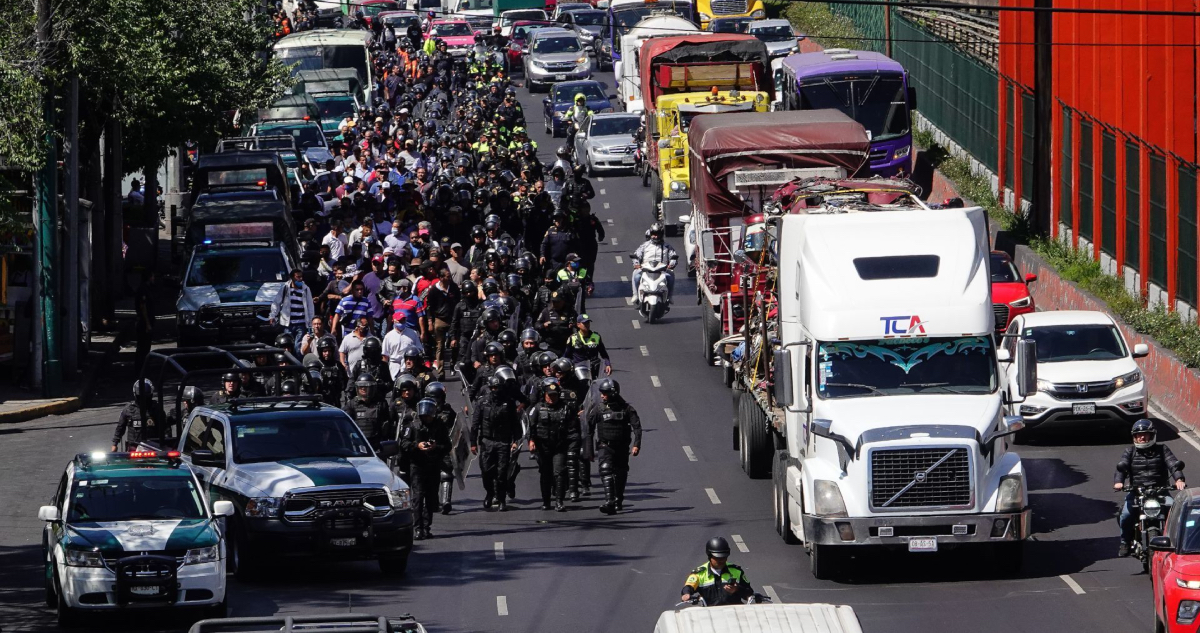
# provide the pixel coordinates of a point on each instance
(886, 407)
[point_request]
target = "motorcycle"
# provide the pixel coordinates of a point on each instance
(1150, 506)
(652, 291)
(499, 57)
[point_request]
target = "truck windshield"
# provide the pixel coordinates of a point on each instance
(781, 33)
(220, 268)
(904, 366)
(1058, 343)
(877, 102)
(306, 134)
(626, 19)
(284, 437)
(135, 498)
(329, 56)
(338, 107)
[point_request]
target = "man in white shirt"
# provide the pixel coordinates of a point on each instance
(400, 339)
(336, 242)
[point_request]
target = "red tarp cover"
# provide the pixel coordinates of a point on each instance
(721, 144)
(724, 48)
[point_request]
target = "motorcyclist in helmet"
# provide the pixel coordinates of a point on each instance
(141, 420)
(717, 581)
(575, 117)
(655, 249)
(1146, 464)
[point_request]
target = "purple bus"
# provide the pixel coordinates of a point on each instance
(869, 87)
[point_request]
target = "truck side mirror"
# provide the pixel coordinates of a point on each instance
(1026, 368)
(789, 389)
(912, 98)
(708, 245)
(207, 459)
(388, 448)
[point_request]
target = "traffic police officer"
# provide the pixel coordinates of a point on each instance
(717, 581)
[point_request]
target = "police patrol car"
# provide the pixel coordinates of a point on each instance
(304, 481)
(132, 530)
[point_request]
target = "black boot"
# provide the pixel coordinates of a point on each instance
(619, 488)
(560, 488)
(572, 477)
(610, 499)
(445, 494)
(512, 481)
(585, 478)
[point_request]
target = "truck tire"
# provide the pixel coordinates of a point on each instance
(759, 448)
(711, 331)
(65, 616)
(823, 561)
(394, 564)
(243, 564)
(783, 523)
(656, 189)
(739, 427)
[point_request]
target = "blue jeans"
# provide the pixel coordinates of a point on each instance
(1126, 519)
(297, 330)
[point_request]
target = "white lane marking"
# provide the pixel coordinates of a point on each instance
(770, 591)
(501, 605)
(499, 550)
(602, 192)
(614, 241)
(624, 278)
(637, 325)
(610, 220)
(687, 450)
(655, 381)
(741, 545)
(620, 260)
(645, 352)
(671, 417)
(600, 179)
(712, 496)
(1072, 584)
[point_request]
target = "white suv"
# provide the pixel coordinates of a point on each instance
(1085, 369)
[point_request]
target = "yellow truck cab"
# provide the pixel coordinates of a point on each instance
(706, 10)
(673, 115)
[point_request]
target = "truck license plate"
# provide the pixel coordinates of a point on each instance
(928, 544)
(560, 78)
(343, 542)
(144, 591)
(1083, 409)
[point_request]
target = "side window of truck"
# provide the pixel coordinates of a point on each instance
(214, 439)
(196, 431)
(1010, 341)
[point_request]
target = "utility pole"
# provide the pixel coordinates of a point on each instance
(47, 372)
(1043, 104)
(887, 30)
(70, 260)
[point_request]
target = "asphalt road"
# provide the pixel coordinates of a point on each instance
(529, 570)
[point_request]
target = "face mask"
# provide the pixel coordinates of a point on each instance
(299, 284)
(395, 231)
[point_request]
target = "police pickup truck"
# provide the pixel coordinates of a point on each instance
(303, 479)
(127, 530)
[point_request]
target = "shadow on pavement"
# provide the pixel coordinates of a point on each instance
(1052, 473)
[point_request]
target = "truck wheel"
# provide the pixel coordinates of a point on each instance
(644, 172)
(656, 187)
(711, 332)
(242, 562)
(393, 564)
(823, 561)
(65, 615)
(759, 448)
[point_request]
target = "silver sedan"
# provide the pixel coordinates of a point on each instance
(607, 142)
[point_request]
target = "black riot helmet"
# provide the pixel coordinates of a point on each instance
(193, 396)
(493, 349)
(609, 387)
(563, 366)
(545, 359)
(365, 382)
(231, 376)
(490, 285)
(506, 373)
(717, 547)
(492, 314)
(495, 382)
(289, 387)
(436, 391)
(372, 349)
(530, 334)
(285, 341)
(407, 381)
(414, 355)
(426, 409)
(507, 338)
(583, 372)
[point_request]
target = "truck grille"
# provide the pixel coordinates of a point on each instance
(1001, 312)
(232, 315)
(304, 506)
(1082, 390)
(921, 478)
(729, 7)
(560, 66)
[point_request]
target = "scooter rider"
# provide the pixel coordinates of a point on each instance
(655, 249)
(141, 420)
(717, 581)
(1146, 464)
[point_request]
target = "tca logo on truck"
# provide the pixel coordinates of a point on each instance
(907, 324)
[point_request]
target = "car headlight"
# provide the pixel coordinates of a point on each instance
(582, 60)
(1010, 497)
(202, 555)
(401, 499)
(1045, 385)
(187, 317)
(1023, 302)
(759, 14)
(603, 150)
(537, 63)
(84, 558)
(678, 186)
(1188, 584)
(1188, 609)
(828, 500)
(902, 152)
(1152, 508)
(263, 507)
(1132, 378)
(704, 17)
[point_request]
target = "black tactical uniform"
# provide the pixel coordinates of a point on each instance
(137, 427)
(425, 441)
(370, 412)
(495, 430)
(554, 430)
(617, 428)
(561, 320)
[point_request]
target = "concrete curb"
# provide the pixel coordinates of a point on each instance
(70, 404)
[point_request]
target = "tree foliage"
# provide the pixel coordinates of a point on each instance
(21, 128)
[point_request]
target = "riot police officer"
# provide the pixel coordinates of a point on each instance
(369, 411)
(231, 388)
(371, 364)
(555, 322)
(617, 432)
(494, 355)
(448, 418)
(553, 431)
(333, 376)
(465, 319)
(141, 420)
(425, 441)
(404, 409)
(495, 431)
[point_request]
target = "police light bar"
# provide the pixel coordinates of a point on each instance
(153, 454)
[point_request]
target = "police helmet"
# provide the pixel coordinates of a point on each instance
(289, 387)
(427, 408)
(325, 343)
(365, 381)
(280, 357)
(717, 547)
(609, 386)
(583, 372)
(563, 366)
(544, 359)
(490, 285)
(495, 382)
(506, 373)
(407, 381)
(372, 349)
(530, 334)
(563, 152)
(414, 355)
(285, 341)
(437, 391)
(492, 314)
(142, 388)
(193, 396)
(231, 376)
(312, 363)
(507, 338)
(493, 349)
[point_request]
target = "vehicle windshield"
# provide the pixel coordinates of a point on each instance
(399, 22)
(626, 19)
(780, 33)
(510, 17)
(452, 29)
(566, 94)
(284, 437)
(589, 18)
(615, 126)
(475, 5)
(877, 102)
(306, 135)
(134, 498)
(557, 45)
(338, 107)
(1059, 343)
(329, 56)
(1189, 536)
(375, 8)
(905, 366)
(729, 26)
(1003, 271)
(221, 268)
